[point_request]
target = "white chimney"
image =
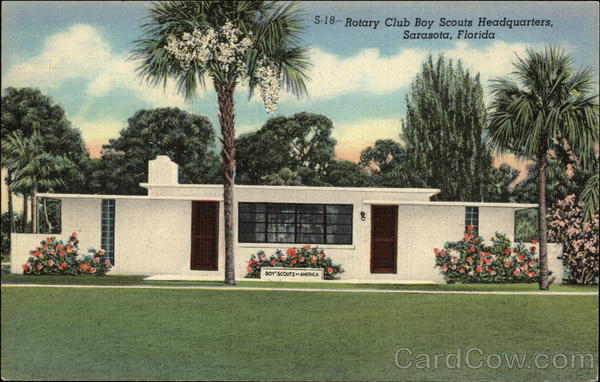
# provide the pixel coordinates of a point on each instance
(162, 170)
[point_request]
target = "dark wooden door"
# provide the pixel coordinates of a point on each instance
(205, 218)
(384, 238)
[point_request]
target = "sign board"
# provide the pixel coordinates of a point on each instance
(291, 274)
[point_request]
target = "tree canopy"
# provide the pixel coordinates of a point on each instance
(302, 141)
(186, 138)
(442, 133)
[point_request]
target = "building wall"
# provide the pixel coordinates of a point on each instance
(152, 237)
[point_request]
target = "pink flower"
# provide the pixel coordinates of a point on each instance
(520, 257)
(534, 241)
(507, 251)
(92, 270)
(301, 259)
(307, 247)
(506, 264)
(50, 263)
(291, 251)
(462, 270)
(293, 261)
(48, 240)
(321, 255)
(25, 267)
(38, 266)
(444, 267)
(471, 249)
(312, 260)
(272, 262)
(329, 270)
(63, 266)
(74, 234)
(532, 249)
(96, 260)
(436, 251)
(469, 227)
(101, 252)
(107, 263)
(516, 272)
(478, 269)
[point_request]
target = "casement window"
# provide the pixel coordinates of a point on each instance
(295, 223)
(472, 218)
(107, 237)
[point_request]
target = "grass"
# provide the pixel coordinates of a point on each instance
(114, 334)
(138, 280)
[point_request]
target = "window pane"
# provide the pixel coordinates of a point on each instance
(252, 217)
(252, 207)
(339, 209)
(339, 219)
(251, 237)
(280, 238)
(345, 229)
(252, 227)
(314, 219)
(339, 239)
(311, 239)
(311, 228)
(311, 208)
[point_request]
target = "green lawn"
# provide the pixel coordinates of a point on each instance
(138, 280)
(65, 333)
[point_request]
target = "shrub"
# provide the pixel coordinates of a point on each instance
(53, 257)
(579, 239)
(475, 260)
(305, 257)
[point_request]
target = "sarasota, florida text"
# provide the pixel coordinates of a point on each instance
(417, 28)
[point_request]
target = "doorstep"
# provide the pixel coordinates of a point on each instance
(367, 281)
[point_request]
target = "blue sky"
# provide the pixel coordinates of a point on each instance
(76, 53)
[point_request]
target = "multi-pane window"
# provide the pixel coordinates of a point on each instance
(107, 240)
(472, 218)
(295, 223)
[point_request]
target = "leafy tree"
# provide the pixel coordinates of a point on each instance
(34, 170)
(284, 177)
(443, 131)
(226, 41)
(544, 101)
(300, 141)
(388, 164)
(184, 137)
(344, 173)
(497, 190)
(27, 111)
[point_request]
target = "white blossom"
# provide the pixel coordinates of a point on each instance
(226, 49)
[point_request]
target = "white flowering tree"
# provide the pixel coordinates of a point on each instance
(229, 43)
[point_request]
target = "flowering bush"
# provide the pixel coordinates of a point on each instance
(53, 257)
(305, 257)
(225, 51)
(474, 259)
(579, 239)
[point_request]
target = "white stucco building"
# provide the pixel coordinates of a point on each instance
(376, 234)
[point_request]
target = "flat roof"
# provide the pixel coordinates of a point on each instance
(432, 191)
(451, 204)
(141, 197)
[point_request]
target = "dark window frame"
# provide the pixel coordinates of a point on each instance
(303, 223)
(472, 218)
(107, 228)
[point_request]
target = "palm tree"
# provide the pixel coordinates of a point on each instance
(544, 102)
(270, 35)
(34, 170)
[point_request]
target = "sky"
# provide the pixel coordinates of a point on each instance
(77, 53)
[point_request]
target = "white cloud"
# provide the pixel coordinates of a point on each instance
(371, 72)
(82, 53)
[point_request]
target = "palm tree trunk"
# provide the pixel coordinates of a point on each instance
(24, 217)
(543, 242)
(226, 119)
(34, 214)
(11, 209)
(48, 224)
